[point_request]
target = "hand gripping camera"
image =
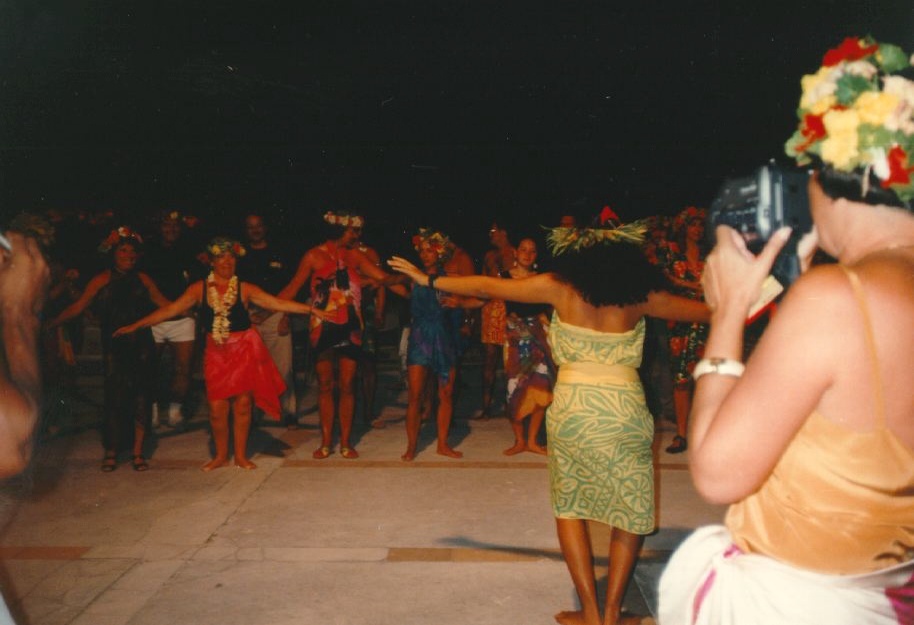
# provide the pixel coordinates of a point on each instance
(757, 206)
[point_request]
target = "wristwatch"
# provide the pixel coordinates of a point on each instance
(720, 366)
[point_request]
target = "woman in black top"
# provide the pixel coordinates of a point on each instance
(118, 295)
(236, 364)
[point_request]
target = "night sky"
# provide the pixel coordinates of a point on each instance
(432, 112)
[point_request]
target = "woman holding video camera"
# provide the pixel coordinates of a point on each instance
(812, 442)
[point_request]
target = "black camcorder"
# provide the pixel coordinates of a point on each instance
(757, 206)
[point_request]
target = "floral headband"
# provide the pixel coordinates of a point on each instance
(222, 245)
(188, 220)
(118, 236)
(687, 216)
(608, 229)
(435, 240)
(344, 219)
(855, 114)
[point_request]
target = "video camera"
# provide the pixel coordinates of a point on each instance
(757, 206)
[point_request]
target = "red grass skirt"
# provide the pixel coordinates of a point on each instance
(239, 365)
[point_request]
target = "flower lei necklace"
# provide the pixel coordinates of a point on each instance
(221, 306)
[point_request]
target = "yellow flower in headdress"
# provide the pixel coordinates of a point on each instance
(857, 113)
(224, 245)
(435, 240)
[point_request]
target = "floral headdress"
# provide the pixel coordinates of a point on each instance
(188, 220)
(345, 220)
(855, 114)
(608, 229)
(437, 241)
(223, 245)
(118, 236)
(687, 216)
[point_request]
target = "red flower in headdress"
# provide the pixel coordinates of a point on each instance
(851, 49)
(607, 214)
(813, 129)
(899, 172)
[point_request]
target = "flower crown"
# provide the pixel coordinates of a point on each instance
(188, 220)
(222, 245)
(608, 229)
(344, 219)
(854, 114)
(116, 236)
(437, 241)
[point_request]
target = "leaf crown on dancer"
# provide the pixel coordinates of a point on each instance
(857, 123)
(605, 262)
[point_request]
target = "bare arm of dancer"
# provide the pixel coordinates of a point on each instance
(154, 293)
(261, 298)
(305, 266)
(538, 289)
(191, 297)
(76, 308)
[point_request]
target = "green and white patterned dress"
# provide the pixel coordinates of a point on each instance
(600, 430)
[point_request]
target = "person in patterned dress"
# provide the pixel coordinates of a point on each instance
(684, 261)
(599, 429)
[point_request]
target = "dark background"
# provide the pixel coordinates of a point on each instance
(441, 113)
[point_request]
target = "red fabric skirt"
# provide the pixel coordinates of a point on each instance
(239, 365)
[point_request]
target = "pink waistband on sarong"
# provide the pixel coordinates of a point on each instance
(709, 582)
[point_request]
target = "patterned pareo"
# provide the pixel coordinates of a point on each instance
(599, 429)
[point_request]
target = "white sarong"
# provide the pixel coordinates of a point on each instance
(709, 581)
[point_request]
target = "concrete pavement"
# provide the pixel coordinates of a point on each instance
(372, 541)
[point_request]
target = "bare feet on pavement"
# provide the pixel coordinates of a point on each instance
(215, 463)
(244, 463)
(574, 617)
(444, 450)
(516, 448)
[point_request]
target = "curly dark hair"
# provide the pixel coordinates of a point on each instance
(616, 274)
(849, 185)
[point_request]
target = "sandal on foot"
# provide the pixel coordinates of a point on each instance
(140, 464)
(321, 452)
(109, 463)
(349, 453)
(680, 444)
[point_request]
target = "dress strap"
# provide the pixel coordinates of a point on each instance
(870, 342)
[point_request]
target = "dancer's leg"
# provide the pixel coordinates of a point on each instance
(241, 411)
(574, 539)
(218, 420)
(536, 422)
(445, 411)
(347, 369)
(624, 548)
(325, 405)
(416, 375)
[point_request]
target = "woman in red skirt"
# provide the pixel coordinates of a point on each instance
(237, 367)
